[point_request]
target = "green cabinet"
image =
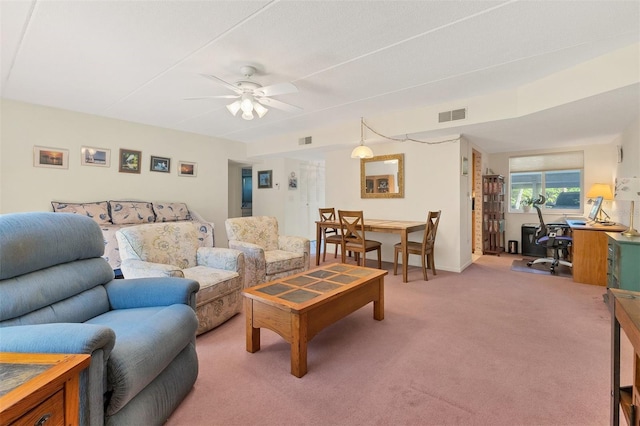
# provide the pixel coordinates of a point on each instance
(623, 262)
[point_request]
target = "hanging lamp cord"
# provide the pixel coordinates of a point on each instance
(405, 139)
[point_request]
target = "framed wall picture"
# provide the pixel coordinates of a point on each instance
(91, 156)
(293, 181)
(265, 179)
(130, 161)
(187, 169)
(53, 158)
(160, 164)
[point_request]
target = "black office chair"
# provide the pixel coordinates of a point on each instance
(552, 236)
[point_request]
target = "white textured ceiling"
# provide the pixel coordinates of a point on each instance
(138, 60)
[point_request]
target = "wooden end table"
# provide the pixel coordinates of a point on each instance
(40, 388)
(299, 306)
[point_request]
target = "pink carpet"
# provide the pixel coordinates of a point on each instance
(489, 346)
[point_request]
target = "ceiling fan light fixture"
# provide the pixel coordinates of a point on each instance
(234, 107)
(246, 105)
(251, 96)
(260, 110)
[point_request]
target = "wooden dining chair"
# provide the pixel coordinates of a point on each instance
(329, 235)
(353, 237)
(425, 249)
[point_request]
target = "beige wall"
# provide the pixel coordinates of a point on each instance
(432, 182)
(629, 141)
(432, 172)
(24, 187)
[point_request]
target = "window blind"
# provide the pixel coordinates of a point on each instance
(547, 162)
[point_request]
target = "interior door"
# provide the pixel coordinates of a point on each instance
(312, 185)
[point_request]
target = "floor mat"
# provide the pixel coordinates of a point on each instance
(520, 265)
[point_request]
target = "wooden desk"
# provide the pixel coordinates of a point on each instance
(400, 227)
(589, 251)
(625, 314)
(40, 388)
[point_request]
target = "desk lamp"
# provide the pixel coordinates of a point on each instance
(628, 189)
(600, 190)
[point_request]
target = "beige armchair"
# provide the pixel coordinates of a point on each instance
(171, 249)
(268, 255)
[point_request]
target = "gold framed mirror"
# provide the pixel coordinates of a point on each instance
(382, 176)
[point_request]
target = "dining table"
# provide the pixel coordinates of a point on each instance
(386, 226)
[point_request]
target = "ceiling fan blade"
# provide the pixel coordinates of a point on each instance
(279, 105)
(276, 89)
(222, 82)
(197, 98)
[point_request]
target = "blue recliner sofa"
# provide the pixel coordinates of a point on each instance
(57, 295)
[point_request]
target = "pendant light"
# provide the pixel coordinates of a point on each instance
(362, 151)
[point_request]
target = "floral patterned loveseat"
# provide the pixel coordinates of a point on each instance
(114, 215)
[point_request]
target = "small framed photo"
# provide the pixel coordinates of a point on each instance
(187, 169)
(160, 164)
(130, 161)
(265, 178)
(293, 181)
(91, 156)
(53, 158)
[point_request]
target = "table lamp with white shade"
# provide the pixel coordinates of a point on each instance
(628, 189)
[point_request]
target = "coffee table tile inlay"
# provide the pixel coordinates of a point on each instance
(299, 306)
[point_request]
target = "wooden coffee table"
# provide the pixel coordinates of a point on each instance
(299, 306)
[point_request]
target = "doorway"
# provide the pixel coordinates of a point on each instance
(247, 192)
(240, 189)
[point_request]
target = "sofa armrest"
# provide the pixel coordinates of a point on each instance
(220, 258)
(70, 338)
(136, 268)
(64, 338)
(197, 218)
(146, 292)
(294, 244)
(255, 262)
(249, 249)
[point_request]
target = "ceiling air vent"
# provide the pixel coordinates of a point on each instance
(305, 141)
(456, 114)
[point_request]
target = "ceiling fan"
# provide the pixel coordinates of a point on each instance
(252, 96)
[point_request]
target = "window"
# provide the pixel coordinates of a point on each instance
(556, 176)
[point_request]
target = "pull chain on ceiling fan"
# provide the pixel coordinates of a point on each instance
(251, 96)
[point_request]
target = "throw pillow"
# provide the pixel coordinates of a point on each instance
(130, 212)
(98, 211)
(171, 212)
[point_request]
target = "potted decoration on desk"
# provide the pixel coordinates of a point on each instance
(526, 204)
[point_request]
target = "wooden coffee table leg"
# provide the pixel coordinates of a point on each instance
(253, 334)
(299, 325)
(378, 305)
